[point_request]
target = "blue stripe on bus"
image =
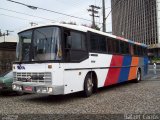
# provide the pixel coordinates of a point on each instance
(125, 71)
(145, 65)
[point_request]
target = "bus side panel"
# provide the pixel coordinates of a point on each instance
(141, 65)
(133, 68)
(74, 80)
(125, 69)
(57, 74)
(114, 70)
(74, 75)
(102, 63)
(145, 65)
(101, 76)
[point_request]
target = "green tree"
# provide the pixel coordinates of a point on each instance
(71, 23)
(96, 27)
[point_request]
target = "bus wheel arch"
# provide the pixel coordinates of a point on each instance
(90, 80)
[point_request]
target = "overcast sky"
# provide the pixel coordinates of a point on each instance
(15, 22)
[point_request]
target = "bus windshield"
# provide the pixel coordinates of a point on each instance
(41, 44)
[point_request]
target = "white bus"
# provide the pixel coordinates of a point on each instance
(62, 59)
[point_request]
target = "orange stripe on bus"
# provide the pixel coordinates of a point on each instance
(133, 70)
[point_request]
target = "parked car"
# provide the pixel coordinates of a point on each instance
(6, 81)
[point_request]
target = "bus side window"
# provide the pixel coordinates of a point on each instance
(126, 47)
(98, 43)
(77, 41)
(131, 49)
(67, 39)
(69, 42)
(135, 50)
(94, 42)
(110, 45)
(145, 51)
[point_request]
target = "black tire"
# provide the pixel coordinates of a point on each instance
(3, 93)
(138, 76)
(19, 93)
(88, 86)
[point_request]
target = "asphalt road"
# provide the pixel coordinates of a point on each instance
(128, 98)
(151, 75)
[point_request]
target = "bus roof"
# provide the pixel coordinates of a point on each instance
(85, 29)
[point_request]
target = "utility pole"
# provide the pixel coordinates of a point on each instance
(94, 10)
(104, 15)
(0, 33)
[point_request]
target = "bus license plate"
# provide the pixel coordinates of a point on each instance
(28, 88)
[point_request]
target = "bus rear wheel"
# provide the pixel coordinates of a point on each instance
(138, 77)
(88, 86)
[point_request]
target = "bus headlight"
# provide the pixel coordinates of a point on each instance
(17, 87)
(13, 87)
(20, 88)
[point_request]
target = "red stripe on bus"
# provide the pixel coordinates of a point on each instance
(114, 70)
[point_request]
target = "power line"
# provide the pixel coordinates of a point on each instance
(27, 14)
(34, 7)
(112, 8)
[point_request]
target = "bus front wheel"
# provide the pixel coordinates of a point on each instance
(88, 85)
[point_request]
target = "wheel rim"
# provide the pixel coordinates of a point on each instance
(89, 85)
(138, 76)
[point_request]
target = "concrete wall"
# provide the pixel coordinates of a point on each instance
(9, 39)
(6, 59)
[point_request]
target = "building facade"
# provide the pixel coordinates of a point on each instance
(138, 20)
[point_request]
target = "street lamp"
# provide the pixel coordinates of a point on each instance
(35, 8)
(32, 7)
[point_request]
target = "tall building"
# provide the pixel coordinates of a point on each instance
(138, 20)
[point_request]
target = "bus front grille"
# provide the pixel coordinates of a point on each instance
(35, 77)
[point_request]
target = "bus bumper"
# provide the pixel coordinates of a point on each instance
(38, 88)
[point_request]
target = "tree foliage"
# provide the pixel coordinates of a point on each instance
(71, 23)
